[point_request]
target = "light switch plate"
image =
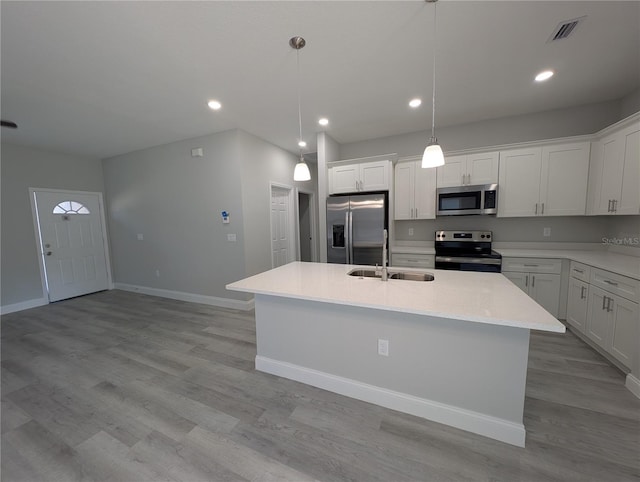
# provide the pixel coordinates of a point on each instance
(140, 236)
(383, 347)
(231, 237)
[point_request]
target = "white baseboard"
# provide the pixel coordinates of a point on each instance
(633, 385)
(191, 297)
(486, 425)
(23, 305)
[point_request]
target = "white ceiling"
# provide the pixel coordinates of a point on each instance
(106, 78)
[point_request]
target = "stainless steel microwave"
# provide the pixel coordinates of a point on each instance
(462, 200)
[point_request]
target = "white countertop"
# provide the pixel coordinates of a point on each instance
(618, 263)
(476, 297)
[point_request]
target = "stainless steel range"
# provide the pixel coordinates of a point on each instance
(466, 251)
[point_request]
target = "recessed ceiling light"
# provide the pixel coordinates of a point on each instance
(214, 105)
(302, 144)
(544, 75)
(323, 122)
(415, 103)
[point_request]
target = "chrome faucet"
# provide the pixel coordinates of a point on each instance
(384, 273)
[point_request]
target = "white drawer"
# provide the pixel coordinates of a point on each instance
(580, 271)
(617, 284)
(532, 265)
(403, 260)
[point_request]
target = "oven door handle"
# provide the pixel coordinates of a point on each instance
(460, 259)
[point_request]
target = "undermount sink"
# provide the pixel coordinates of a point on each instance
(364, 273)
(412, 276)
(405, 275)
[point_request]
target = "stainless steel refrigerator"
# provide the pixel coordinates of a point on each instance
(355, 227)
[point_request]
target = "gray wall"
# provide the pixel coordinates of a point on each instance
(585, 229)
(21, 169)
(328, 150)
(624, 227)
(175, 202)
(263, 163)
(574, 121)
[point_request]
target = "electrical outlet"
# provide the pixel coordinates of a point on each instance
(140, 236)
(546, 232)
(383, 347)
(410, 231)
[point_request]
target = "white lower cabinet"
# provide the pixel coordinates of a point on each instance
(539, 278)
(406, 260)
(613, 321)
(577, 304)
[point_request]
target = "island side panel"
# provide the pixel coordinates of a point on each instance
(475, 367)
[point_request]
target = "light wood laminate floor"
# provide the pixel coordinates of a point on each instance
(122, 386)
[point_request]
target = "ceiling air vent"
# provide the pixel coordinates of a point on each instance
(564, 29)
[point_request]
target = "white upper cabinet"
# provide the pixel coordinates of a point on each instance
(519, 186)
(359, 177)
(469, 169)
(415, 191)
(565, 173)
(614, 186)
(544, 181)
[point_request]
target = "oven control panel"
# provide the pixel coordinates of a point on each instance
(470, 236)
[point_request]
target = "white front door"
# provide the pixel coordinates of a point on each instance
(72, 243)
(281, 239)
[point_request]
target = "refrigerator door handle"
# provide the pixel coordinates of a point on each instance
(350, 261)
(347, 237)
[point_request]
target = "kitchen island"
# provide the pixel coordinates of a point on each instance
(457, 346)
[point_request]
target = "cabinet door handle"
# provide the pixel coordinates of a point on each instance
(604, 302)
(533, 281)
(609, 282)
(463, 179)
(536, 208)
(530, 265)
(609, 210)
(542, 209)
(582, 290)
(578, 270)
(526, 280)
(609, 300)
(615, 205)
(416, 212)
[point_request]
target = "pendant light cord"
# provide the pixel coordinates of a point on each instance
(299, 100)
(433, 100)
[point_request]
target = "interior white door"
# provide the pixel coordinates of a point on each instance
(72, 243)
(280, 227)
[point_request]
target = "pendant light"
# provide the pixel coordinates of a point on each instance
(301, 172)
(433, 156)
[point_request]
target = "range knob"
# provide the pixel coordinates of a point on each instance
(488, 235)
(482, 235)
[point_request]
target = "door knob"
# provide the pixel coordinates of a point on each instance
(47, 245)
(48, 253)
